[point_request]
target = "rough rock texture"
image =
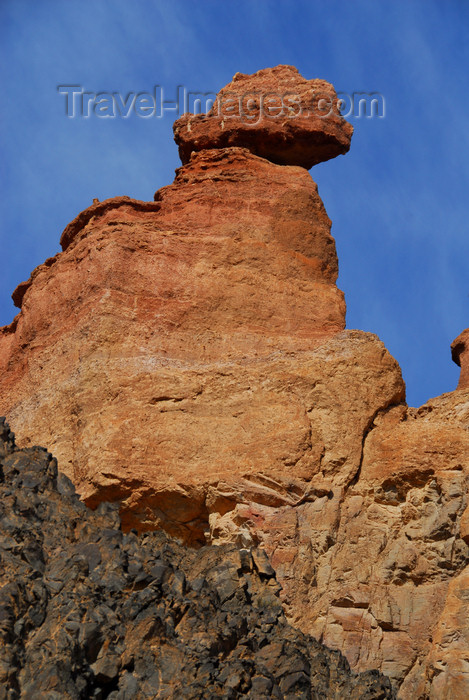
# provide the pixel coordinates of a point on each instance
(89, 612)
(196, 315)
(276, 114)
(460, 353)
(376, 566)
(187, 358)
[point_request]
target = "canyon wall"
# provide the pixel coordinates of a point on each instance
(188, 359)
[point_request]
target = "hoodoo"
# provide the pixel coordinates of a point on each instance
(187, 358)
(166, 348)
(460, 354)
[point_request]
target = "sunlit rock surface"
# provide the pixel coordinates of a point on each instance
(187, 359)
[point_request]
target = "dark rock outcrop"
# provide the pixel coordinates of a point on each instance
(87, 611)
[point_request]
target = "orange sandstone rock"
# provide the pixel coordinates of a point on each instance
(155, 355)
(187, 357)
(367, 558)
(276, 114)
(460, 354)
(446, 670)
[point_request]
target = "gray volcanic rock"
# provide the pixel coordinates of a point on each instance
(87, 611)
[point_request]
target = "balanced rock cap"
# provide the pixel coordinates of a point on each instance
(275, 113)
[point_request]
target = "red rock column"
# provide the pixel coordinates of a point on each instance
(171, 345)
(460, 355)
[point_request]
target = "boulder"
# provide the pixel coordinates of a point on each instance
(275, 113)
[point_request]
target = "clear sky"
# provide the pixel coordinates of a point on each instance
(398, 200)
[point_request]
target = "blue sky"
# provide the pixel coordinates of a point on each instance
(398, 200)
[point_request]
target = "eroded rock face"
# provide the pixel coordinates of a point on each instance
(460, 353)
(276, 114)
(170, 330)
(373, 560)
(375, 566)
(187, 358)
(446, 666)
(87, 611)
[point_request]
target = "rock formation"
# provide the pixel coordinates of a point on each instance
(88, 612)
(187, 359)
(197, 315)
(276, 114)
(460, 353)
